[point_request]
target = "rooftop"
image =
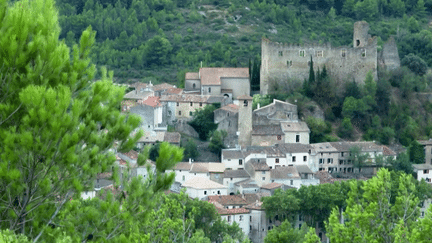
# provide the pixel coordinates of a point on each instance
(183, 166)
(152, 101)
(258, 164)
(272, 186)
(422, 166)
(163, 86)
(205, 167)
(232, 211)
(172, 137)
(295, 126)
(267, 130)
(212, 76)
(202, 183)
(236, 174)
(137, 95)
(228, 200)
(231, 107)
(287, 172)
(185, 98)
(232, 154)
(192, 76)
(425, 142)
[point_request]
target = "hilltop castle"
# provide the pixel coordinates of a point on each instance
(284, 62)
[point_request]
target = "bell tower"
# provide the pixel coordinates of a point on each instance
(245, 120)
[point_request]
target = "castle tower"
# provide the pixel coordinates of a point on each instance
(361, 34)
(245, 120)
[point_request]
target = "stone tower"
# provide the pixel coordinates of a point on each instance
(361, 34)
(245, 120)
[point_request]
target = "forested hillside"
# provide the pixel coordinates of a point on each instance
(161, 39)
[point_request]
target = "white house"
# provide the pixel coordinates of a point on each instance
(200, 187)
(230, 177)
(423, 171)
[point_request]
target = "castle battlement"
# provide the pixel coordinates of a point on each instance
(285, 62)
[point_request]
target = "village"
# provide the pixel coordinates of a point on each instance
(267, 148)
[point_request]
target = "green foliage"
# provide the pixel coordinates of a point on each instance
(190, 149)
(286, 233)
(217, 141)
(346, 129)
(358, 158)
(203, 121)
(319, 130)
(415, 64)
(416, 153)
(8, 236)
(370, 216)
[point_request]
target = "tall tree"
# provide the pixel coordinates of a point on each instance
(57, 126)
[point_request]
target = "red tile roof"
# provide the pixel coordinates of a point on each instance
(192, 76)
(212, 76)
(152, 101)
(273, 185)
(228, 200)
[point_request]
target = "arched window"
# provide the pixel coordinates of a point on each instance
(245, 103)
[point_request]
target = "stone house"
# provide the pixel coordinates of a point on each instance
(258, 170)
(159, 89)
(275, 113)
(150, 111)
(182, 107)
(267, 135)
(229, 82)
(294, 176)
(227, 118)
(281, 61)
(230, 177)
(295, 132)
(233, 159)
(259, 223)
(185, 171)
(423, 171)
(200, 187)
(248, 186)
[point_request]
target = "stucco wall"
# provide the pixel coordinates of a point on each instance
(189, 85)
(185, 108)
(266, 140)
(267, 115)
(215, 90)
(290, 137)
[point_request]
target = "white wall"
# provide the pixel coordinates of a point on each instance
(233, 164)
(88, 195)
(299, 160)
(202, 193)
(243, 220)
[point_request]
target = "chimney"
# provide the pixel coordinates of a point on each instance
(190, 160)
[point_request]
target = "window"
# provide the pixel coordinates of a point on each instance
(300, 217)
(250, 218)
(183, 178)
(291, 182)
(321, 161)
(302, 53)
(245, 103)
(200, 104)
(241, 218)
(289, 63)
(205, 192)
(240, 161)
(218, 192)
(304, 158)
(363, 54)
(178, 104)
(190, 113)
(357, 42)
(169, 113)
(231, 178)
(250, 227)
(263, 178)
(329, 161)
(209, 89)
(343, 53)
(308, 63)
(297, 138)
(299, 226)
(320, 53)
(229, 123)
(293, 159)
(277, 161)
(280, 53)
(229, 218)
(191, 104)
(279, 137)
(425, 171)
(193, 86)
(179, 113)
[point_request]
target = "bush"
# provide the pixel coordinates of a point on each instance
(415, 63)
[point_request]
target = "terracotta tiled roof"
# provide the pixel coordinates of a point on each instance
(202, 183)
(303, 169)
(228, 200)
(176, 91)
(152, 101)
(236, 174)
(248, 183)
(172, 137)
(183, 166)
(192, 76)
(365, 146)
(233, 211)
(185, 98)
(138, 95)
(255, 206)
(272, 186)
(387, 151)
(163, 86)
(205, 167)
(152, 137)
(138, 85)
(267, 130)
(132, 154)
(294, 127)
(212, 76)
(252, 198)
(231, 107)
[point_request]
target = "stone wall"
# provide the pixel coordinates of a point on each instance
(281, 62)
(239, 86)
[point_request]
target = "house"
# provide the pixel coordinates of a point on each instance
(295, 132)
(233, 159)
(227, 118)
(229, 82)
(247, 186)
(161, 88)
(423, 171)
(183, 106)
(200, 187)
(230, 177)
(272, 187)
(275, 113)
(150, 110)
(267, 135)
(258, 170)
(259, 223)
(154, 137)
(235, 215)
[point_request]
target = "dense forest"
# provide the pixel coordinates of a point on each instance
(161, 39)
